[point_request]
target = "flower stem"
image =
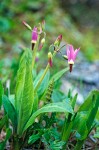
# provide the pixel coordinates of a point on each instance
(42, 77)
(34, 52)
(66, 131)
(45, 71)
(16, 143)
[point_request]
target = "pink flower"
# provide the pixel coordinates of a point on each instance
(34, 35)
(71, 55)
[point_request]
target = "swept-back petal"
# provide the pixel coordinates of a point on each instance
(75, 53)
(71, 52)
(68, 54)
(67, 51)
(34, 35)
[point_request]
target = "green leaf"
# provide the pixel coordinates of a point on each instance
(51, 138)
(94, 111)
(96, 135)
(80, 125)
(85, 118)
(12, 99)
(66, 131)
(59, 74)
(1, 93)
(34, 138)
(97, 115)
(73, 100)
(44, 83)
(55, 78)
(53, 107)
(88, 103)
(8, 134)
(3, 121)
(57, 96)
(24, 96)
(11, 112)
(35, 105)
(56, 145)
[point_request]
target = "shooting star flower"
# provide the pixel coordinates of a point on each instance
(71, 55)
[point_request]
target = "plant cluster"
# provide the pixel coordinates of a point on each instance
(32, 116)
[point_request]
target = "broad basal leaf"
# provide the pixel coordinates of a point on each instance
(24, 96)
(1, 93)
(10, 110)
(53, 107)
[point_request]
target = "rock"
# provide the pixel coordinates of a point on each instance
(87, 73)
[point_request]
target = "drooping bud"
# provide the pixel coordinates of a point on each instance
(34, 37)
(42, 43)
(28, 26)
(58, 41)
(50, 59)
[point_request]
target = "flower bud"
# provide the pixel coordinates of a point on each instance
(42, 43)
(58, 41)
(65, 57)
(50, 59)
(27, 25)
